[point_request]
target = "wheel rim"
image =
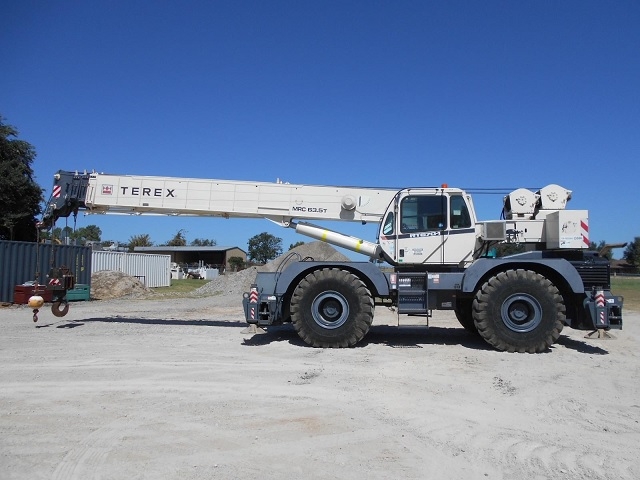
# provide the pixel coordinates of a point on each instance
(521, 313)
(330, 310)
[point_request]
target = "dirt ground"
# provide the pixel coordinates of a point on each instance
(171, 389)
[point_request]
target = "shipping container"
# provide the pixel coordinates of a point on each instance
(22, 262)
(151, 269)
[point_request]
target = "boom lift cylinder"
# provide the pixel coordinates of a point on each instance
(339, 239)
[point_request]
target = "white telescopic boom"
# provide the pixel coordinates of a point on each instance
(280, 202)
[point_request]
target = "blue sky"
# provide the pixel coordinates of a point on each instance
(476, 94)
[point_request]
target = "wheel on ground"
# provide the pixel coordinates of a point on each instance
(519, 311)
(464, 314)
(331, 308)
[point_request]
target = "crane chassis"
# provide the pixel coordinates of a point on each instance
(439, 255)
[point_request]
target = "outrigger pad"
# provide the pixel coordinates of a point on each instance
(254, 329)
(600, 334)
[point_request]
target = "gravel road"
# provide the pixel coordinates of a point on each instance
(171, 389)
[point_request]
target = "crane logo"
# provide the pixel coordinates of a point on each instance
(107, 189)
(147, 192)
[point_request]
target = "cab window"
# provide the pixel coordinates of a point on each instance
(422, 213)
(459, 212)
(387, 227)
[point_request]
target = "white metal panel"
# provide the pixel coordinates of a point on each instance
(176, 196)
(153, 270)
(208, 273)
(568, 229)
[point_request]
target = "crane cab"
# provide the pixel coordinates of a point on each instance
(435, 226)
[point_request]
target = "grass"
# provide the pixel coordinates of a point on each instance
(180, 288)
(629, 288)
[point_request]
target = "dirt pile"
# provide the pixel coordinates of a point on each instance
(234, 284)
(319, 251)
(108, 284)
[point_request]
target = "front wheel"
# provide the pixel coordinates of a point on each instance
(519, 311)
(464, 314)
(331, 308)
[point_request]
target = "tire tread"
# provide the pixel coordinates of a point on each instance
(490, 328)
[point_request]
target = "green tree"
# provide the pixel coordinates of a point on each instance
(90, 233)
(63, 233)
(264, 247)
(56, 235)
(600, 247)
(236, 263)
(45, 235)
(505, 249)
(20, 195)
(204, 242)
(142, 240)
(595, 246)
(179, 239)
(632, 253)
(294, 245)
(114, 245)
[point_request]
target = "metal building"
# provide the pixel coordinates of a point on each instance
(215, 257)
(151, 269)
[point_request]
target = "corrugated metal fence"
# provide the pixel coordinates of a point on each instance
(21, 261)
(151, 269)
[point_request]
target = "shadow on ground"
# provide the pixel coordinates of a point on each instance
(147, 321)
(581, 346)
(413, 337)
(394, 337)
(390, 336)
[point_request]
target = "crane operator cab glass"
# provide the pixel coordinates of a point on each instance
(428, 227)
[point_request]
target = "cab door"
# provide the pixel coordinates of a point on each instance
(436, 227)
(460, 235)
(421, 225)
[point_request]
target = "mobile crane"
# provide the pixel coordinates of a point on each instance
(440, 253)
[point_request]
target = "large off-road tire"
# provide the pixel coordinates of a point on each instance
(331, 308)
(519, 311)
(464, 314)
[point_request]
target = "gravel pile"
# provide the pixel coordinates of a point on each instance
(232, 285)
(227, 288)
(108, 284)
(319, 251)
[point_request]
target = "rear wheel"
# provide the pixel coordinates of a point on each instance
(519, 311)
(331, 308)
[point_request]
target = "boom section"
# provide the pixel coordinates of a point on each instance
(281, 202)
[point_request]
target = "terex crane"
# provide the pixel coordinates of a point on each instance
(440, 253)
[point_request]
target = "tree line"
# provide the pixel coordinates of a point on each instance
(262, 247)
(21, 200)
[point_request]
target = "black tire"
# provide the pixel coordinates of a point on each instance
(464, 314)
(331, 308)
(519, 311)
